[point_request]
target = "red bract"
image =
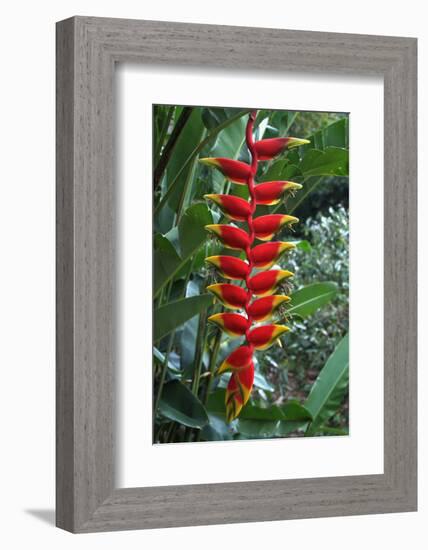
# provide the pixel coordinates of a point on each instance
(267, 149)
(229, 266)
(238, 359)
(263, 256)
(266, 282)
(263, 337)
(233, 324)
(265, 227)
(238, 391)
(234, 208)
(263, 308)
(233, 170)
(230, 236)
(232, 296)
(266, 254)
(270, 192)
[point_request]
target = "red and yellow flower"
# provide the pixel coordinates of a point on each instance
(239, 359)
(231, 236)
(230, 267)
(266, 254)
(266, 282)
(238, 391)
(231, 296)
(234, 208)
(267, 149)
(266, 335)
(232, 324)
(257, 300)
(262, 309)
(265, 227)
(270, 192)
(233, 170)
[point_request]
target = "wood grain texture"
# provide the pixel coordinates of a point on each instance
(87, 49)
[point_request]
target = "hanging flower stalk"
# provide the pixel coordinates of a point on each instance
(256, 300)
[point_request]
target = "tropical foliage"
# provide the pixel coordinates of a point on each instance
(190, 396)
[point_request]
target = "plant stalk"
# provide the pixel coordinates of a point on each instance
(169, 147)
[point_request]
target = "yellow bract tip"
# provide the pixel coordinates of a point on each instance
(209, 162)
(286, 246)
(289, 219)
(280, 329)
(279, 299)
(215, 318)
(224, 367)
(297, 142)
(293, 185)
(213, 227)
(284, 273)
(213, 260)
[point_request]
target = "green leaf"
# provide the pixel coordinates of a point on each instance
(216, 430)
(174, 314)
(273, 421)
(165, 261)
(174, 249)
(330, 387)
(191, 229)
(215, 403)
(302, 245)
(214, 116)
(291, 410)
(261, 429)
(178, 403)
(189, 138)
(333, 135)
(281, 170)
(174, 183)
(261, 382)
(294, 410)
(160, 357)
(333, 161)
(331, 430)
(307, 300)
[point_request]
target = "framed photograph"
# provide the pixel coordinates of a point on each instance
(236, 274)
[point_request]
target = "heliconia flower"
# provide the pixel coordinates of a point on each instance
(238, 391)
(233, 170)
(265, 227)
(234, 208)
(239, 359)
(267, 149)
(263, 285)
(266, 282)
(266, 254)
(229, 266)
(232, 237)
(233, 324)
(232, 296)
(263, 308)
(270, 192)
(263, 337)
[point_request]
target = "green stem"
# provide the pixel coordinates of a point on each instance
(163, 132)
(199, 352)
(212, 365)
(169, 147)
(184, 192)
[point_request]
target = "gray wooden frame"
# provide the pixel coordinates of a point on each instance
(87, 50)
